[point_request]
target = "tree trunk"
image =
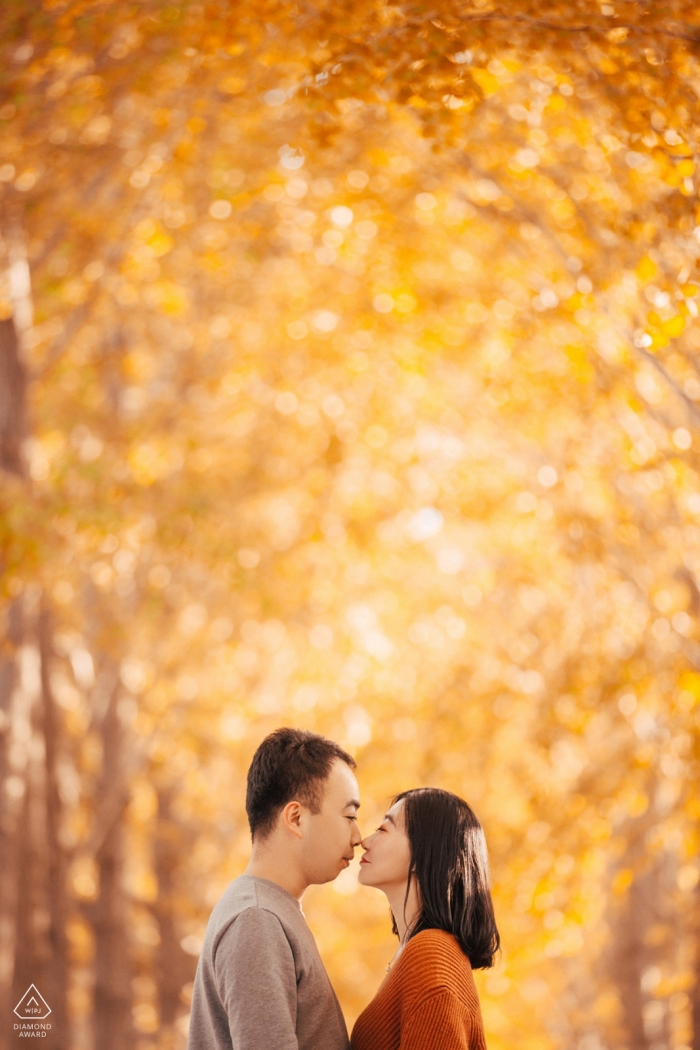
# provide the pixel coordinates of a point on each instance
(174, 966)
(15, 707)
(630, 917)
(33, 947)
(39, 861)
(57, 861)
(638, 959)
(32, 953)
(13, 400)
(628, 954)
(695, 990)
(15, 702)
(112, 1016)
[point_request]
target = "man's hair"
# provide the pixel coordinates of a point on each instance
(289, 765)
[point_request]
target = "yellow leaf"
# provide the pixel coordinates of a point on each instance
(637, 804)
(647, 269)
(486, 81)
(674, 326)
(563, 210)
(622, 881)
(690, 682)
(232, 85)
(170, 297)
(160, 244)
(196, 124)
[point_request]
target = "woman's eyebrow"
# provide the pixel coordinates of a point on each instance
(388, 816)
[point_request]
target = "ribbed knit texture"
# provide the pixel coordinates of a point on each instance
(427, 1002)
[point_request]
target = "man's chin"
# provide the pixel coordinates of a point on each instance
(344, 865)
(321, 880)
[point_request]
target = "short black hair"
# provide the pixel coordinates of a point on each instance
(449, 862)
(289, 764)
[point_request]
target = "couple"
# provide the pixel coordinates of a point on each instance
(260, 982)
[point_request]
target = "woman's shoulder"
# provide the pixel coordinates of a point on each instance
(432, 943)
(437, 955)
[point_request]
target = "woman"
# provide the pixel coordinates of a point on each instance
(429, 857)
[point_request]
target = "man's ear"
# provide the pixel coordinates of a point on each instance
(291, 818)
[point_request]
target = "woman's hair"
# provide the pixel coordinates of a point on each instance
(449, 862)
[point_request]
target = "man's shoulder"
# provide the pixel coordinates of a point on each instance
(252, 903)
(239, 896)
(251, 933)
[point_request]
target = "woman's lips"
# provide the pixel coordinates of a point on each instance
(363, 860)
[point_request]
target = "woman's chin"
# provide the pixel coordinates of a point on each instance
(363, 877)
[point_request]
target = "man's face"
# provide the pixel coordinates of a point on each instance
(330, 836)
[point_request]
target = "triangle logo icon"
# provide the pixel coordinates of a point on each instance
(32, 1006)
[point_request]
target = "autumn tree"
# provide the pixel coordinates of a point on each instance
(349, 378)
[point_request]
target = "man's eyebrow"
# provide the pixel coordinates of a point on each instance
(352, 802)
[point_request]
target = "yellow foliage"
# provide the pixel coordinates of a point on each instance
(488, 83)
(646, 269)
(232, 85)
(622, 881)
(674, 326)
(362, 401)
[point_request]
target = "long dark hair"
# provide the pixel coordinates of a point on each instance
(449, 862)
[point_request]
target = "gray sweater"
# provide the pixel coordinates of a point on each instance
(260, 982)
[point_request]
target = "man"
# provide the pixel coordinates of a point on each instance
(260, 982)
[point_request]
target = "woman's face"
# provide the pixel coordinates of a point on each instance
(387, 858)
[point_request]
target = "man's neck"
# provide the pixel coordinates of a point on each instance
(266, 864)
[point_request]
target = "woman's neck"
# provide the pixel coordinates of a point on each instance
(405, 910)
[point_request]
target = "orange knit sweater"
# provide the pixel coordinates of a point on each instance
(427, 1002)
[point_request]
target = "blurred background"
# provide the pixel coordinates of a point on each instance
(349, 380)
